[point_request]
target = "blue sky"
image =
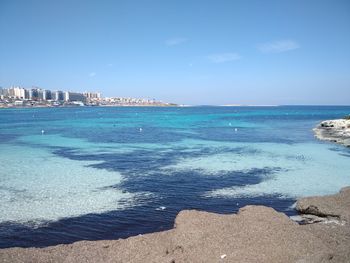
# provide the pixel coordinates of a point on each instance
(191, 52)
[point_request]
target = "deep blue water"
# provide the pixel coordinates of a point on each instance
(144, 165)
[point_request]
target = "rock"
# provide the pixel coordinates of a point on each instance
(337, 205)
(333, 214)
(312, 219)
(335, 131)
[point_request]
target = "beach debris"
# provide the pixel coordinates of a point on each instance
(160, 208)
(230, 124)
(223, 256)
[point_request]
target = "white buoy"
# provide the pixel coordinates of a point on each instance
(230, 124)
(236, 129)
(42, 131)
(140, 129)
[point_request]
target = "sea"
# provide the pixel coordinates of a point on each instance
(93, 173)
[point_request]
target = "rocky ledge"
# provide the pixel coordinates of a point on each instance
(334, 130)
(254, 234)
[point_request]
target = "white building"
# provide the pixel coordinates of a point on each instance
(17, 92)
(66, 96)
(74, 96)
(92, 95)
(57, 95)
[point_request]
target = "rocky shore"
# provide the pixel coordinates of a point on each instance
(335, 131)
(254, 234)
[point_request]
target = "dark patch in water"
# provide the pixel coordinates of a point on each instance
(7, 138)
(341, 150)
(146, 160)
(175, 190)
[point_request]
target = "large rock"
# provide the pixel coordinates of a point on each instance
(334, 130)
(334, 229)
(337, 205)
(255, 234)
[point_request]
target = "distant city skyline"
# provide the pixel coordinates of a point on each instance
(14, 97)
(185, 52)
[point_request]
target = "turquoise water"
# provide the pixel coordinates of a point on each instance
(100, 173)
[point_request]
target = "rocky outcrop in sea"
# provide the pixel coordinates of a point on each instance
(335, 131)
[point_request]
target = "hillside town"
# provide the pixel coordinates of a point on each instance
(38, 97)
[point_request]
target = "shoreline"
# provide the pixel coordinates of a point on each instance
(85, 106)
(254, 234)
(165, 105)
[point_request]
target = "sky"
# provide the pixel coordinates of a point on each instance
(187, 52)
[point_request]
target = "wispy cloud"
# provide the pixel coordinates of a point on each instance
(92, 74)
(224, 57)
(278, 46)
(175, 41)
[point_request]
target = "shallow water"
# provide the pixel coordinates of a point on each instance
(94, 174)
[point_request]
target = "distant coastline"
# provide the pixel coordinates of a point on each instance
(100, 106)
(156, 104)
(248, 105)
(17, 97)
